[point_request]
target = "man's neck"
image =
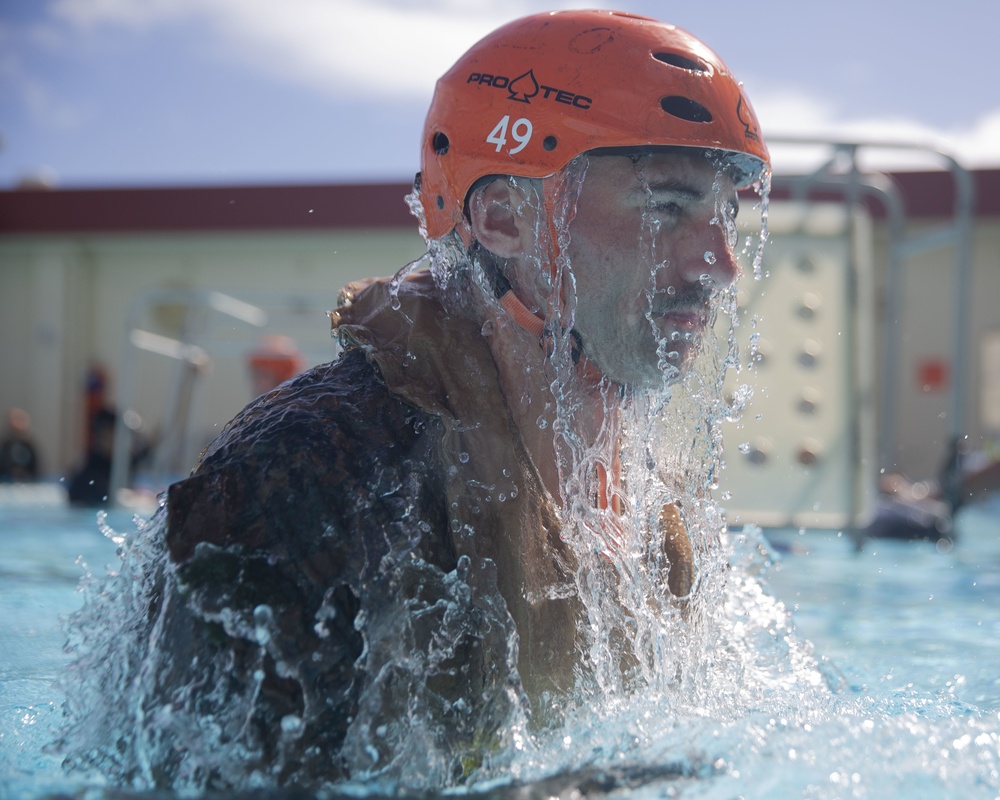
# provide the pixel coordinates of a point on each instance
(526, 375)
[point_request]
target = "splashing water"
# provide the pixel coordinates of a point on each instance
(640, 640)
(651, 662)
(762, 188)
(400, 276)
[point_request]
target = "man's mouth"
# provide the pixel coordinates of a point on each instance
(686, 313)
(681, 319)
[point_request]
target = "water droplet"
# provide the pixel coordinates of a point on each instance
(671, 290)
(463, 457)
(709, 259)
(488, 328)
(291, 724)
(542, 423)
(263, 618)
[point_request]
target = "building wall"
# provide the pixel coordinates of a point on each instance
(67, 302)
(924, 412)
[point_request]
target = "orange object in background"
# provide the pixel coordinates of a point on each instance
(932, 374)
(275, 359)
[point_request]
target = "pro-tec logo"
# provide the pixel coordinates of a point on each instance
(525, 88)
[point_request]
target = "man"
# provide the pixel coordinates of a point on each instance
(389, 564)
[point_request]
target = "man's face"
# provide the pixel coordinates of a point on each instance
(650, 246)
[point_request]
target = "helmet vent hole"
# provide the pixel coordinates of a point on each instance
(685, 108)
(550, 142)
(683, 62)
(440, 143)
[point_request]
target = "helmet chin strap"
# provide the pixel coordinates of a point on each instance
(606, 491)
(519, 312)
(528, 321)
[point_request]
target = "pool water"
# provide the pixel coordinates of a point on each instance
(908, 634)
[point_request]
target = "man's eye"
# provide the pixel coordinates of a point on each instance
(669, 207)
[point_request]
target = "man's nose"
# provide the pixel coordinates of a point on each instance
(706, 257)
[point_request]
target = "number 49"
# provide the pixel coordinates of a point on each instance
(520, 132)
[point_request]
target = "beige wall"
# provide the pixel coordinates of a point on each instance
(923, 421)
(65, 301)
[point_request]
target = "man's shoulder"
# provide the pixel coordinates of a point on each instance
(323, 407)
(299, 458)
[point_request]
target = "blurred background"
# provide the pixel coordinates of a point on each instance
(186, 184)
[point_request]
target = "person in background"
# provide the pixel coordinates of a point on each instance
(388, 560)
(90, 484)
(19, 461)
(273, 361)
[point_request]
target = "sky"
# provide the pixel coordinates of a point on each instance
(97, 93)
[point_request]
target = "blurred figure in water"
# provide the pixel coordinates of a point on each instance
(90, 484)
(389, 563)
(19, 462)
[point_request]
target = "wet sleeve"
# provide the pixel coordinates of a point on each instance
(219, 507)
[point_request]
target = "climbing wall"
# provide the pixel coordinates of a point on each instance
(803, 452)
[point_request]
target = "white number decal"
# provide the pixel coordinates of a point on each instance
(522, 138)
(498, 135)
(520, 132)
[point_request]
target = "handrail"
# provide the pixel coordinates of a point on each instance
(855, 181)
(138, 339)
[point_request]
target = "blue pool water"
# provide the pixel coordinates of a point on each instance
(908, 633)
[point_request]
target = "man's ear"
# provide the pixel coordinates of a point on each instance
(503, 220)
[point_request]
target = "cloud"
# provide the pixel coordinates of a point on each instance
(356, 47)
(391, 49)
(981, 145)
(793, 121)
(365, 53)
(87, 15)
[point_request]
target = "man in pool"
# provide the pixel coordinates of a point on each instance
(382, 562)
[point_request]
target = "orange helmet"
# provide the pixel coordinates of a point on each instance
(539, 91)
(276, 359)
